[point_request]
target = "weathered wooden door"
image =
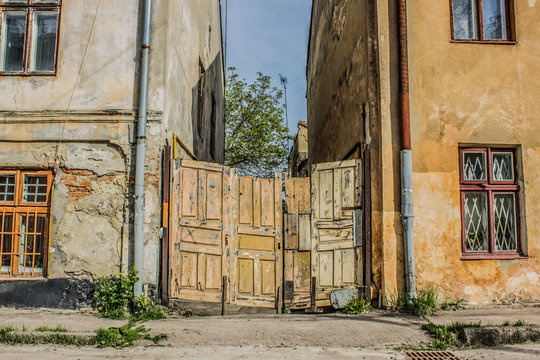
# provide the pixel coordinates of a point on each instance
(256, 272)
(335, 246)
(200, 213)
(297, 239)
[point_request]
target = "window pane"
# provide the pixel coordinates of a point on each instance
(504, 217)
(464, 19)
(6, 225)
(7, 188)
(474, 166)
(13, 30)
(503, 167)
(494, 19)
(44, 41)
(35, 188)
(476, 221)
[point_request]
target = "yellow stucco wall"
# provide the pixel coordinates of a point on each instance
(471, 94)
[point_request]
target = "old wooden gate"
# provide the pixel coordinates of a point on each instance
(224, 225)
(323, 234)
(336, 255)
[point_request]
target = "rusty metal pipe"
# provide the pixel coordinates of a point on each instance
(406, 152)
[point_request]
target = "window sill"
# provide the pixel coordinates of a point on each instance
(485, 42)
(490, 256)
(4, 73)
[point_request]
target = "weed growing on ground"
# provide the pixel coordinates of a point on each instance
(58, 329)
(425, 302)
(448, 335)
(355, 306)
(520, 323)
(188, 313)
(145, 310)
(8, 335)
(121, 336)
(452, 305)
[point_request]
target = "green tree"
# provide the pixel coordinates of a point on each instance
(255, 132)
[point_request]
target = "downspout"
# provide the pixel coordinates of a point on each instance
(140, 155)
(406, 153)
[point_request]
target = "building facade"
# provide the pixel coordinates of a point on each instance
(69, 75)
(475, 144)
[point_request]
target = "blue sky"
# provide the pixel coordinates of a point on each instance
(271, 36)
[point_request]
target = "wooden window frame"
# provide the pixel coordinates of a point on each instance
(30, 6)
(16, 209)
(490, 187)
(479, 24)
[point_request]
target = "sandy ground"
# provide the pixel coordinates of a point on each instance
(376, 335)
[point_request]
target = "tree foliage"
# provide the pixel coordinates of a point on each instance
(255, 131)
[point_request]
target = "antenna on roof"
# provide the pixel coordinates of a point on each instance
(283, 80)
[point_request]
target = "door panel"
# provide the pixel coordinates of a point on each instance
(258, 243)
(198, 256)
(336, 193)
(297, 252)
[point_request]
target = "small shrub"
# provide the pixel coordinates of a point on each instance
(520, 323)
(115, 294)
(58, 329)
(188, 313)
(425, 302)
(355, 306)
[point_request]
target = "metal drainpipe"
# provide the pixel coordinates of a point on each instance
(140, 156)
(406, 153)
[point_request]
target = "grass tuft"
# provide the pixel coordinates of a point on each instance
(425, 302)
(58, 329)
(448, 335)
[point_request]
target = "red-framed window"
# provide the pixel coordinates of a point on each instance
(24, 223)
(489, 203)
(29, 36)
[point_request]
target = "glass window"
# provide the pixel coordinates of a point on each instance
(474, 166)
(489, 193)
(44, 41)
(480, 20)
(494, 19)
(7, 188)
(476, 221)
(24, 224)
(503, 166)
(35, 188)
(28, 36)
(13, 38)
(464, 12)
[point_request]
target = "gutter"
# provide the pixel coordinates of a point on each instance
(140, 155)
(406, 152)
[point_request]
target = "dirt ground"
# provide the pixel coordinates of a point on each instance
(376, 335)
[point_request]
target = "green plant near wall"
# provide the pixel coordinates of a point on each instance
(116, 299)
(355, 306)
(115, 294)
(425, 302)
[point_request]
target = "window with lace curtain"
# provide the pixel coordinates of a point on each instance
(489, 203)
